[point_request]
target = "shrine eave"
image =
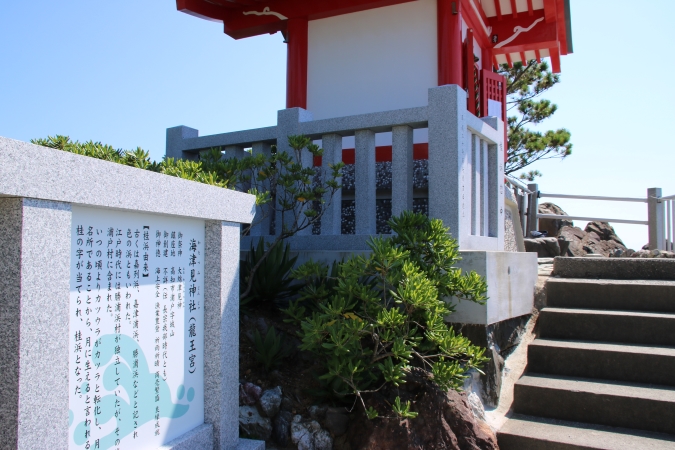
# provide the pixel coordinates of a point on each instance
(515, 30)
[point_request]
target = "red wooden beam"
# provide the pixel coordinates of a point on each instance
(514, 11)
(530, 8)
(508, 59)
(247, 21)
(562, 28)
(449, 35)
(550, 10)
(468, 71)
(537, 55)
(555, 59)
(471, 15)
(498, 7)
(296, 77)
(530, 33)
(523, 59)
(203, 10)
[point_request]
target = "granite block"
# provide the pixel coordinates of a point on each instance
(34, 323)
(402, 170)
(332, 154)
(250, 444)
(175, 138)
(365, 182)
(221, 318)
(67, 177)
(201, 438)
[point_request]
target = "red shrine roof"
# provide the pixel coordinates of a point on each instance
(516, 30)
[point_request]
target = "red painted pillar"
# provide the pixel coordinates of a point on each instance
(449, 18)
(296, 65)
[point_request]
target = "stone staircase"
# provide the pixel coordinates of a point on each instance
(601, 373)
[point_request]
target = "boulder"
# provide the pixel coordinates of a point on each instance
(336, 421)
(598, 238)
(547, 247)
(281, 428)
(308, 435)
(552, 226)
(445, 420)
(253, 425)
(249, 394)
(270, 401)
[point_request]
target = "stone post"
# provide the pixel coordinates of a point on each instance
(365, 182)
(34, 312)
(448, 160)
(655, 217)
(288, 124)
(331, 220)
(401, 170)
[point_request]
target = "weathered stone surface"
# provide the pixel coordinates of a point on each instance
(281, 428)
(308, 435)
(553, 226)
(547, 247)
(249, 394)
(499, 339)
(253, 425)
(270, 401)
(336, 421)
(445, 421)
(598, 238)
(651, 254)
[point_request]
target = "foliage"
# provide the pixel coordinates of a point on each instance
(271, 350)
(384, 313)
(524, 84)
(271, 281)
(295, 196)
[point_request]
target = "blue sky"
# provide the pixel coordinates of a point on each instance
(122, 72)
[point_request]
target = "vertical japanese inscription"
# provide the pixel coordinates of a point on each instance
(136, 366)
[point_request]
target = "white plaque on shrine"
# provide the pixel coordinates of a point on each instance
(136, 371)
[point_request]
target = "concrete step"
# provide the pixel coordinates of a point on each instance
(614, 404)
(627, 295)
(534, 433)
(615, 268)
(629, 327)
(619, 362)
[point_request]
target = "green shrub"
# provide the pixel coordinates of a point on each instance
(272, 350)
(271, 281)
(385, 313)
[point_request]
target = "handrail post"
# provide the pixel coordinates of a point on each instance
(331, 219)
(655, 218)
(532, 209)
(365, 182)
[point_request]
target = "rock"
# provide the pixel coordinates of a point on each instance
(552, 226)
(336, 421)
(308, 435)
(545, 247)
(500, 339)
(476, 406)
(317, 412)
(598, 238)
(249, 394)
(281, 428)
(445, 421)
(253, 425)
(270, 401)
(652, 254)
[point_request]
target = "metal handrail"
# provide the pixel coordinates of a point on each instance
(595, 197)
(591, 219)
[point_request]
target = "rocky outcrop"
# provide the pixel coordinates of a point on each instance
(564, 239)
(598, 238)
(445, 421)
(552, 226)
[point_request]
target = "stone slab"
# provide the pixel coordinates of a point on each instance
(510, 277)
(615, 268)
(200, 438)
(43, 173)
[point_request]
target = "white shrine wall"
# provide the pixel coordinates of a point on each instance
(370, 61)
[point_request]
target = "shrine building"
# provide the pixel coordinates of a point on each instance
(349, 57)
